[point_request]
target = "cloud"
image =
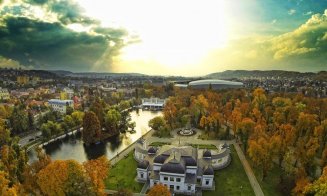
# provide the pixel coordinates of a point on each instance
(308, 38)
(50, 43)
(303, 49)
(291, 11)
(307, 13)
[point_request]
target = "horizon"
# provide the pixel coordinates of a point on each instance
(196, 38)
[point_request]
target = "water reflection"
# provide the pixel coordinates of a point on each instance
(71, 147)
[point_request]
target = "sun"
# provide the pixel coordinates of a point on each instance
(173, 33)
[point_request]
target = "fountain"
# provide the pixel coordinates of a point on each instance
(186, 132)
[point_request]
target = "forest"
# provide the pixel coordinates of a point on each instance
(288, 131)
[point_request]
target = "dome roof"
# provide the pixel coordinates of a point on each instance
(143, 164)
(152, 150)
(208, 170)
(173, 166)
(160, 159)
(215, 82)
(190, 161)
(224, 145)
(207, 154)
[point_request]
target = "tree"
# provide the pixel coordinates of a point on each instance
(260, 153)
(5, 188)
(244, 131)
(159, 190)
(91, 128)
(4, 134)
(235, 118)
(19, 120)
(50, 129)
(30, 120)
(259, 99)
(112, 121)
(64, 178)
(97, 170)
(98, 108)
(170, 112)
(69, 121)
(318, 187)
(69, 110)
(157, 122)
(301, 182)
(30, 174)
(77, 117)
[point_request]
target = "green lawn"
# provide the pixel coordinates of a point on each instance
(204, 146)
(231, 180)
(159, 144)
(122, 175)
(270, 185)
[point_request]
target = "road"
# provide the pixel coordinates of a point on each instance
(26, 139)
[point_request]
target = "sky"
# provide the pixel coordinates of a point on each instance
(164, 37)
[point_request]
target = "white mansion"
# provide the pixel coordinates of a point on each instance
(184, 169)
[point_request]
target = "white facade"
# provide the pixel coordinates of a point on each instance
(60, 105)
(183, 170)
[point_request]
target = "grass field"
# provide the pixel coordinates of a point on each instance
(156, 144)
(122, 175)
(231, 181)
(204, 146)
(270, 185)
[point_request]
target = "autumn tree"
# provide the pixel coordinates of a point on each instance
(97, 108)
(235, 118)
(159, 190)
(260, 153)
(30, 173)
(170, 112)
(259, 99)
(244, 131)
(318, 187)
(97, 170)
(91, 128)
(5, 188)
(301, 182)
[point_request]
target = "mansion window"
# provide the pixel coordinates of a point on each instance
(171, 179)
(178, 179)
(177, 187)
(141, 175)
(207, 182)
(189, 187)
(171, 186)
(165, 178)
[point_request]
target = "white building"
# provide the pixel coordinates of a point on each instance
(184, 170)
(60, 105)
(153, 104)
(4, 94)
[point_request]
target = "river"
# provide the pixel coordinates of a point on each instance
(71, 147)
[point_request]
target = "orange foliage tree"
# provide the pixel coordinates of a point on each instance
(159, 190)
(97, 170)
